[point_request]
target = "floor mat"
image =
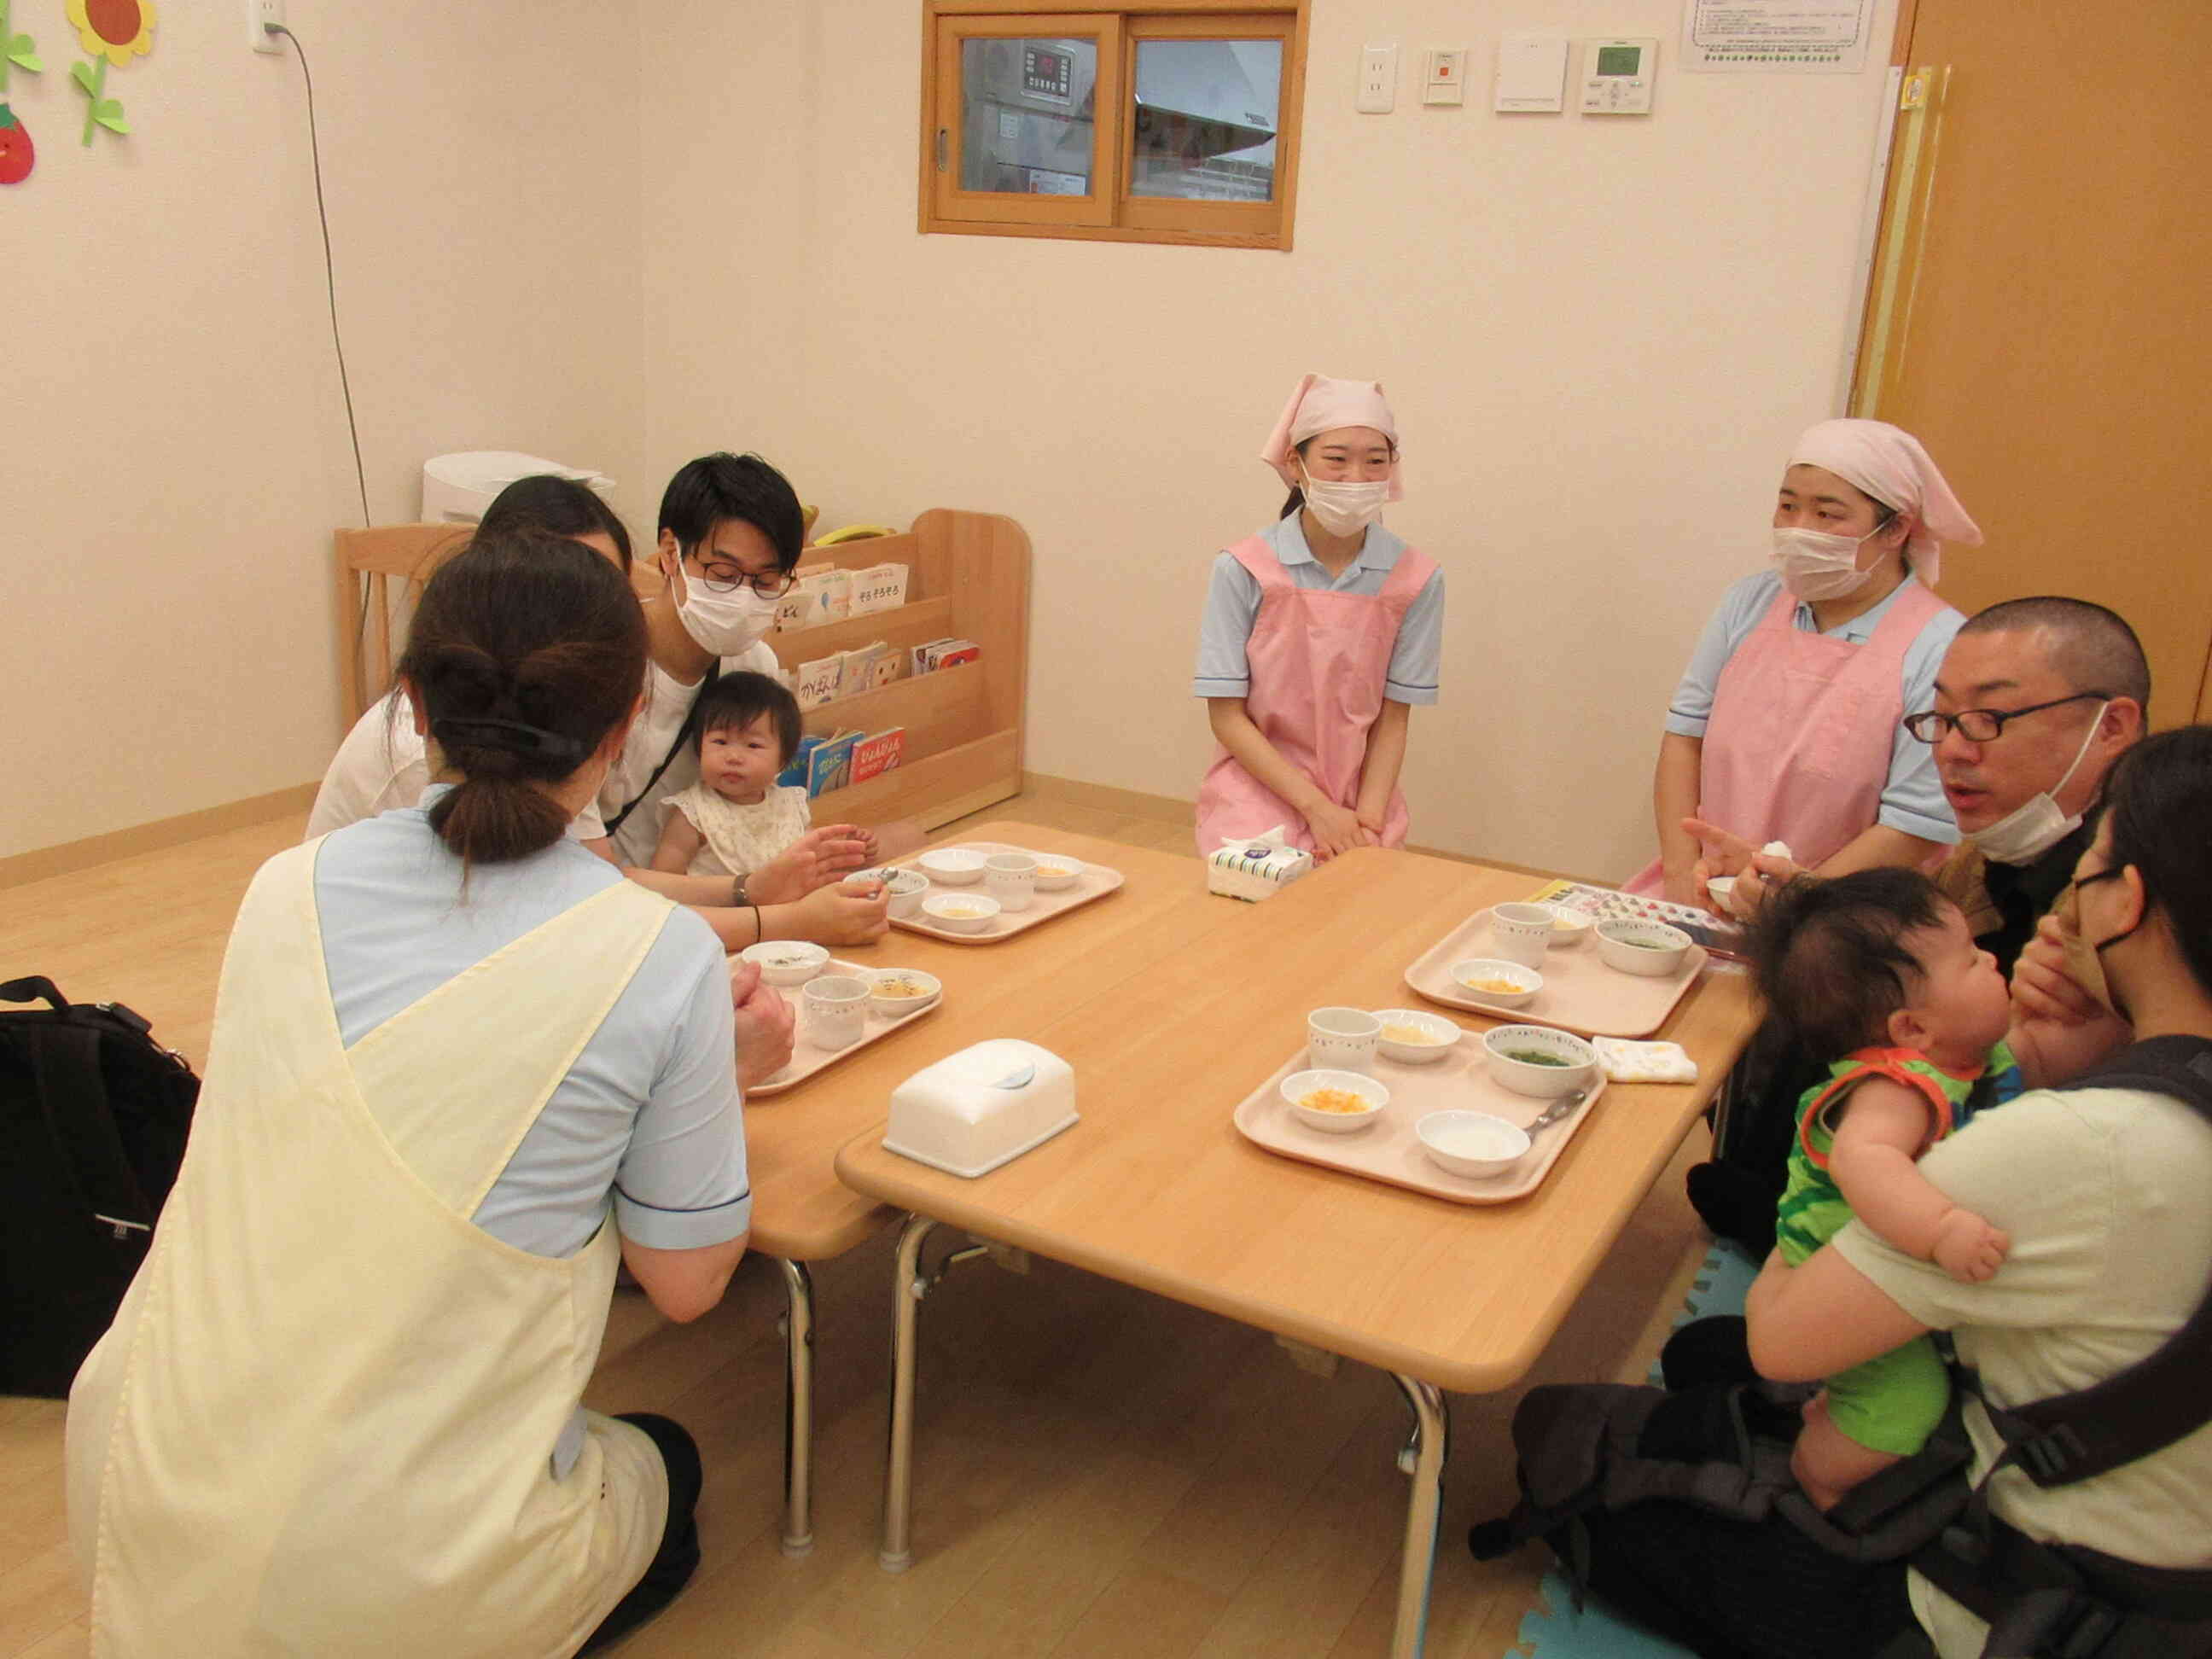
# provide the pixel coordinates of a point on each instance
(1557, 1631)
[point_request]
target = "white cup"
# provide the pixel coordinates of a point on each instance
(1521, 933)
(1341, 1039)
(1010, 878)
(837, 1009)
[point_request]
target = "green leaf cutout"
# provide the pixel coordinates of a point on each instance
(108, 112)
(81, 74)
(8, 118)
(22, 51)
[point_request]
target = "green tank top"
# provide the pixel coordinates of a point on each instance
(1813, 1209)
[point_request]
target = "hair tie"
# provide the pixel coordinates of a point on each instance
(511, 735)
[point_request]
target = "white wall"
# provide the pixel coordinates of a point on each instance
(1599, 336)
(176, 453)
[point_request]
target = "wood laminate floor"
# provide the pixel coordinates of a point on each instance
(1100, 1475)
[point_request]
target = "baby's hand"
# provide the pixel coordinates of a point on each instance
(1968, 1249)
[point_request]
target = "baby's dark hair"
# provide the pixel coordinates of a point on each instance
(738, 700)
(1829, 958)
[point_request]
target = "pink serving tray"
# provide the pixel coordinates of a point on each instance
(1389, 1150)
(806, 1059)
(1580, 994)
(1095, 883)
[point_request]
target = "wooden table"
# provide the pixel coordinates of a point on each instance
(802, 1212)
(1155, 1187)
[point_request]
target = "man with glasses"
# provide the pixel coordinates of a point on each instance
(2036, 701)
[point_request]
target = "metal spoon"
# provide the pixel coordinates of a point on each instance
(1557, 1109)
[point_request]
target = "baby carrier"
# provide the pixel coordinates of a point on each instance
(1590, 1447)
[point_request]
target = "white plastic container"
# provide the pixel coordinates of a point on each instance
(975, 1109)
(458, 487)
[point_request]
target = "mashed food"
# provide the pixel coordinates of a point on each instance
(1419, 1036)
(1496, 986)
(1342, 1101)
(898, 987)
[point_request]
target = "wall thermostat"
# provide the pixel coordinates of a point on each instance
(1617, 77)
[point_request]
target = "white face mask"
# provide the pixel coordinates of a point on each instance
(724, 623)
(1816, 564)
(2035, 826)
(1345, 509)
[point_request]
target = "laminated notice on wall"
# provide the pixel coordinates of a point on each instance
(1790, 37)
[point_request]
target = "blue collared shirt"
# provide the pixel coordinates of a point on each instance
(1912, 797)
(1233, 601)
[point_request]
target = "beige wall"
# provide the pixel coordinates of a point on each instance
(621, 235)
(1599, 336)
(175, 453)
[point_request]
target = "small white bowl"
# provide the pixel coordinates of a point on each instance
(1723, 889)
(1441, 1035)
(892, 1005)
(1568, 926)
(1300, 1084)
(1659, 951)
(961, 913)
(786, 960)
(1471, 1143)
(956, 867)
(1528, 979)
(1048, 862)
(906, 888)
(1533, 1078)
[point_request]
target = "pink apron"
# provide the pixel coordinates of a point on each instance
(1798, 746)
(1318, 660)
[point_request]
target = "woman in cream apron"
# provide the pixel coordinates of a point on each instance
(337, 1413)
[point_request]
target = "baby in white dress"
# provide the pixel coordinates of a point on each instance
(737, 817)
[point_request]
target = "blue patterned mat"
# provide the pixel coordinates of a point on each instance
(1560, 1633)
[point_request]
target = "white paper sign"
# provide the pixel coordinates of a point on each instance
(1795, 37)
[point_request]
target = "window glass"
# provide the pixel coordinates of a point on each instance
(1027, 115)
(1206, 117)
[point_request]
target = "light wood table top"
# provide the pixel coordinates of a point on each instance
(801, 1211)
(1155, 1187)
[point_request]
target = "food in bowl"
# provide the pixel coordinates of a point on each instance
(1419, 1036)
(891, 986)
(1536, 1057)
(956, 867)
(1538, 1060)
(786, 962)
(1471, 1143)
(1333, 1100)
(1413, 1037)
(1506, 986)
(1568, 926)
(1642, 947)
(962, 912)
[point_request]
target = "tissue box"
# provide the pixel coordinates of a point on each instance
(975, 1109)
(1256, 867)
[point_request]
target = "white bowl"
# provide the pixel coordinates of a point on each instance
(1660, 953)
(1442, 1033)
(1723, 889)
(956, 867)
(1528, 979)
(1568, 926)
(961, 913)
(927, 988)
(1300, 1084)
(786, 960)
(1533, 1078)
(906, 888)
(1471, 1143)
(1047, 862)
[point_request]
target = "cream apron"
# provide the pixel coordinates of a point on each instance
(323, 1421)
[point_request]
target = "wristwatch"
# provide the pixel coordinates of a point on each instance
(737, 892)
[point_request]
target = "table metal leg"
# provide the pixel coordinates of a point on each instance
(798, 1409)
(1431, 1442)
(909, 1284)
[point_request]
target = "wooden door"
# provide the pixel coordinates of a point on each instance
(2042, 310)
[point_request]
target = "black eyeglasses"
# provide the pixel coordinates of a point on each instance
(1983, 725)
(722, 577)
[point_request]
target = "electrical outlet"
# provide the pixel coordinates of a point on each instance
(259, 13)
(1378, 80)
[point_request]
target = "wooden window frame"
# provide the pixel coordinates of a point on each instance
(1108, 213)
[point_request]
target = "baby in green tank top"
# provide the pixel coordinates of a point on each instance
(1878, 967)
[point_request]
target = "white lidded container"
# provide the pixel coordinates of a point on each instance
(458, 487)
(975, 1109)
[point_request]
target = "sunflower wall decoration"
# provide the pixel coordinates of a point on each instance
(17, 156)
(111, 32)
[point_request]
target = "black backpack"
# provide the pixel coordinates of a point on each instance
(95, 1116)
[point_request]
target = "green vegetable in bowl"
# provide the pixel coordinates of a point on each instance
(1536, 1057)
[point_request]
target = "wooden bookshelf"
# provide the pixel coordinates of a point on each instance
(968, 575)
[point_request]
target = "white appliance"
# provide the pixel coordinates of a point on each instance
(458, 487)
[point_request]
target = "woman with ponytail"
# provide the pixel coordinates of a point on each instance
(460, 1068)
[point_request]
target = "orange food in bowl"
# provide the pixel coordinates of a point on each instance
(1342, 1101)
